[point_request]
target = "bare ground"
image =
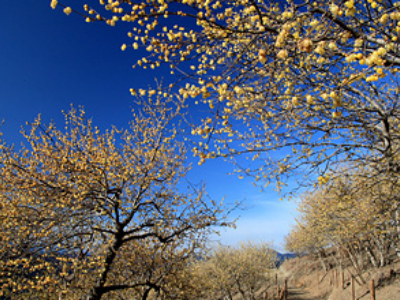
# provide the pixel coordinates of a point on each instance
(303, 283)
(296, 293)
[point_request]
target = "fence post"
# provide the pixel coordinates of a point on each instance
(317, 276)
(282, 294)
(353, 289)
(285, 288)
(342, 278)
(336, 279)
(372, 290)
(278, 292)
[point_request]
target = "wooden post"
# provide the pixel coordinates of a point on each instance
(353, 289)
(282, 294)
(372, 290)
(285, 288)
(336, 279)
(276, 278)
(342, 278)
(277, 292)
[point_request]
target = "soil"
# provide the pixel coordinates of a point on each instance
(303, 283)
(300, 294)
(298, 291)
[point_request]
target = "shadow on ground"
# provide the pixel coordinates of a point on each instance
(300, 294)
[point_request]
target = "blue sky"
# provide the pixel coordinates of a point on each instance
(49, 61)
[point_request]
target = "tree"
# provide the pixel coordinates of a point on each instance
(315, 80)
(231, 271)
(78, 205)
(156, 272)
(360, 222)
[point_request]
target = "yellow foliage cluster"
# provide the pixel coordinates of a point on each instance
(77, 204)
(353, 213)
(315, 80)
(232, 271)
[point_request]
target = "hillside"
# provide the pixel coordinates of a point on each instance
(307, 280)
(283, 257)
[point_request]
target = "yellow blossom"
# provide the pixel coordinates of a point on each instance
(334, 9)
(53, 4)
(67, 10)
(282, 54)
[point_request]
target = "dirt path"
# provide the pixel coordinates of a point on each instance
(295, 293)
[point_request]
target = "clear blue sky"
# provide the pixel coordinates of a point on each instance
(49, 61)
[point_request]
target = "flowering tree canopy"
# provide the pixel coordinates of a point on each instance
(355, 216)
(77, 204)
(316, 80)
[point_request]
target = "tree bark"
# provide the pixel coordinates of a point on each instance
(98, 290)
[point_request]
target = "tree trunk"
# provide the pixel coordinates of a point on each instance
(371, 256)
(356, 265)
(322, 261)
(98, 290)
(382, 248)
(397, 224)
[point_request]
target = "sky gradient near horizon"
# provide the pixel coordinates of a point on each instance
(49, 61)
